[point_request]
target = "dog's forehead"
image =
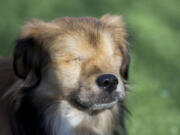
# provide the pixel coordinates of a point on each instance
(80, 44)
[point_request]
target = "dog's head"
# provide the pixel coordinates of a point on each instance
(84, 59)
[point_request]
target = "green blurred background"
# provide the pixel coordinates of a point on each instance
(154, 36)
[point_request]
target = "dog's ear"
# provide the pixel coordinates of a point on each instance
(28, 57)
(30, 53)
(117, 27)
(124, 71)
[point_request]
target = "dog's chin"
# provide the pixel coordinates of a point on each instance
(95, 106)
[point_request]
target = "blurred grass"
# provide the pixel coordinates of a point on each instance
(154, 28)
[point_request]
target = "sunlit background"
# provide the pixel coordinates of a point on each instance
(154, 37)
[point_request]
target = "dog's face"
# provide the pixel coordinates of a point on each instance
(88, 73)
(87, 59)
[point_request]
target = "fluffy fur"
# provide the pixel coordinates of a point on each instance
(53, 89)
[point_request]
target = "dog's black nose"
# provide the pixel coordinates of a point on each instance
(107, 82)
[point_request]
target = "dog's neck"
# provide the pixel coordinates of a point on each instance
(67, 120)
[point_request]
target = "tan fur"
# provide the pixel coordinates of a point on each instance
(80, 49)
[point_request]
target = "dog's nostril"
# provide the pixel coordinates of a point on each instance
(108, 82)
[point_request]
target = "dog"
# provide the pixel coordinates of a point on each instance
(66, 77)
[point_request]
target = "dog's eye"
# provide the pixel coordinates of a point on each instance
(78, 59)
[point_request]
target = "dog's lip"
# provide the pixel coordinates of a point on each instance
(103, 106)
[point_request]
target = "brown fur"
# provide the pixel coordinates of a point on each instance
(72, 53)
(7, 75)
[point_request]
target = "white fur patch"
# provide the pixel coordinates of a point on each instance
(72, 117)
(64, 120)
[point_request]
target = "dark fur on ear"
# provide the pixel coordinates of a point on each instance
(124, 71)
(29, 56)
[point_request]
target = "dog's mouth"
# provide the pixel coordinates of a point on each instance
(95, 103)
(103, 106)
(94, 108)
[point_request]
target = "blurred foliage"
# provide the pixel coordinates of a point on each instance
(154, 36)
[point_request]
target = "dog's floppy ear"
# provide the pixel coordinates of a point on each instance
(118, 29)
(28, 57)
(30, 54)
